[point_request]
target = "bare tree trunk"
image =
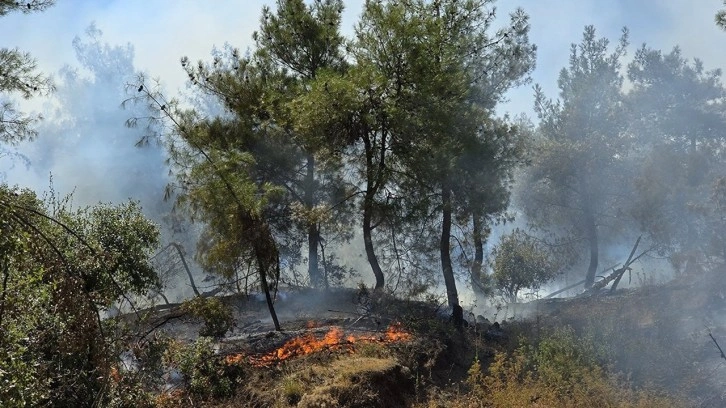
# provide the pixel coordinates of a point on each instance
(368, 242)
(180, 251)
(316, 279)
(373, 183)
(446, 266)
(593, 241)
(477, 283)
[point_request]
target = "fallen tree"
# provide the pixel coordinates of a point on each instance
(617, 274)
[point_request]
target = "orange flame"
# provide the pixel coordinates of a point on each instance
(396, 333)
(308, 344)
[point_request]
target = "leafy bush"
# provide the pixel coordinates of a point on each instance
(205, 375)
(138, 385)
(217, 316)
(521, 263)
(58, 268)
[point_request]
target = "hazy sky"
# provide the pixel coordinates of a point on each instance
(161, 31)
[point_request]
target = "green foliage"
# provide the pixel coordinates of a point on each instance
(58, 268)
(118, 241)
(302, 38)
(216, 315)
(204, 373)
(25, 7)
(520, 262)
(721, 18)
(139, 384)
(412, 94)
(265, 163)
(18, 75)
(428, 76)
(579, 169)
(563, 359)
(677, 111)
(128, 392)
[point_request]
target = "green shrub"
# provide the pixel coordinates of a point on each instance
(204, 373)
(217, 316)
(520, 262)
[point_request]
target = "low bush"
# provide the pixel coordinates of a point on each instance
(217, 316)
(562, 370)
(204, 374)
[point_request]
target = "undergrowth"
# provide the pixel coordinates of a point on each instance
(517, 364)
(561, 369)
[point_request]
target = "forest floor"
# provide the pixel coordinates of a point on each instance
(348, 348)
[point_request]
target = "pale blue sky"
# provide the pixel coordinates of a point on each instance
(163, 30)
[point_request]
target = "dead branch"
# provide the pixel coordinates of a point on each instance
(557, 292)
(574, 285)
(617, 274)
(723, 356)
(162, 323)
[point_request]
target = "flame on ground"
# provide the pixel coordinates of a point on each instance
(308, 344)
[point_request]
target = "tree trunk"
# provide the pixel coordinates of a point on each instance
(267, 258)
(368, 240)
(477, 283)
(446, 267)
(316, 279)
(593, 241)
(374, 180)
(180, 251)
(6, 277)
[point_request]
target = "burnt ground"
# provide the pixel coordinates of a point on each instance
(298, 311)
(369, 373)
(657, 336)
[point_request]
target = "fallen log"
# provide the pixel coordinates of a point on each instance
(576, 284)
(566, 288)
(617, 274)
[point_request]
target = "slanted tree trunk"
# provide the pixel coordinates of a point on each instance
(446, 266)
(316, 279)
(180, 251)
(368, 241)
(592, 239)
(374, 181)
(268, 261)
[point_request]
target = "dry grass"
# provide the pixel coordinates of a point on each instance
(346, 382)
(561, 371)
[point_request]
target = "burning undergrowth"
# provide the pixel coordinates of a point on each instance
(404, 354)
(348, 356)
(334, 340)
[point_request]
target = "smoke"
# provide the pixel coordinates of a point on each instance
(83, 142)
(85, 147)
